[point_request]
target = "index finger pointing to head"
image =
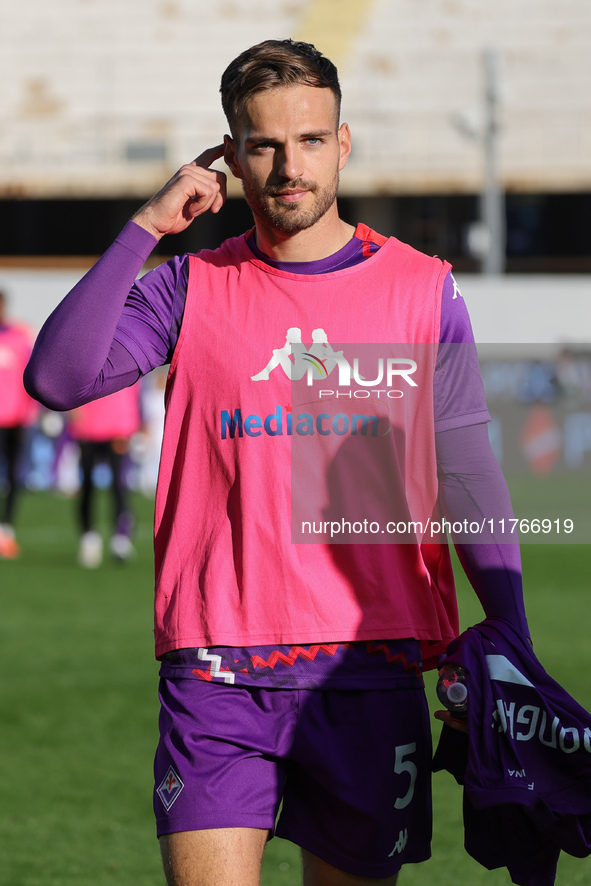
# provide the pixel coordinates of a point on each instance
(209, 156)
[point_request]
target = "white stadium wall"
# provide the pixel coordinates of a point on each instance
(512, 308)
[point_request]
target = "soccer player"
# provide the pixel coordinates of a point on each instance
(17, 412)
(103, 430)
(291, 673)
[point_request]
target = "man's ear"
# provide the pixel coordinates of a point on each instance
(344, 135)
(230, 154)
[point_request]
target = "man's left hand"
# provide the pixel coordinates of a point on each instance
(454, 722)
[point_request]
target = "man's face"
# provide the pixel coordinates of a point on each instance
(288, 153)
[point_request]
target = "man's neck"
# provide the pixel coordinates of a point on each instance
(324, 238)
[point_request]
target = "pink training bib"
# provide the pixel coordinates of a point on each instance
(227, 570)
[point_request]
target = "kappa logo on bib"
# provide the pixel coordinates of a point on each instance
(296, 359)
(170, 788)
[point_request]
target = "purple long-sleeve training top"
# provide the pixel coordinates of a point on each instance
(111, 329)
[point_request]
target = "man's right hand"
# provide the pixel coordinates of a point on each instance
(193, 190)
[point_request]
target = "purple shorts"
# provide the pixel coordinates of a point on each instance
(352, 767)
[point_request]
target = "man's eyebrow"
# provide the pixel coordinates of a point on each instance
(258, 139)
(316, 133)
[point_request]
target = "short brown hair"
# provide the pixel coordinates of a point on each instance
(275, 63)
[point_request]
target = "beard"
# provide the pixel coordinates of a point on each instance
(289, 218)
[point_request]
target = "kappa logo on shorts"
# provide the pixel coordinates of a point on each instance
(401, 844)
(170, 788)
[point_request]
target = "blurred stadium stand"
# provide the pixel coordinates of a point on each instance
(102, 101)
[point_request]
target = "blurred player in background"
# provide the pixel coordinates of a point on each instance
(291, 673)
(103, 430)
(17, 412)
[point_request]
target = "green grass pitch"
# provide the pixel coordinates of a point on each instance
(79, 710)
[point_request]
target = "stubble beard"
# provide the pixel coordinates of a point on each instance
(289, 218)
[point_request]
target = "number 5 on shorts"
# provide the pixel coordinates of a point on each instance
(401, 765)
